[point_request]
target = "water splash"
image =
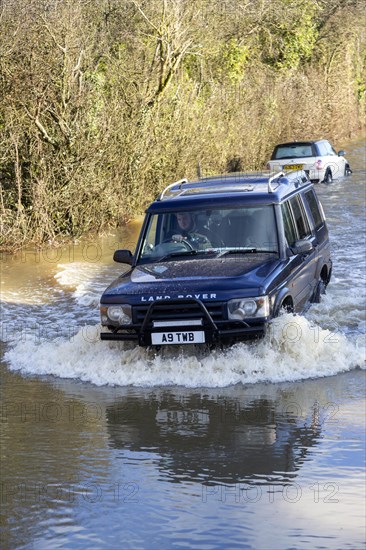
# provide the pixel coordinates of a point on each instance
(294, 349)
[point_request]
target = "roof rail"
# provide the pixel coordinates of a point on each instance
(276, 176)
(179, 182)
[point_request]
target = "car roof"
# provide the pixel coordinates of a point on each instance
(228, 189)
(302, 142)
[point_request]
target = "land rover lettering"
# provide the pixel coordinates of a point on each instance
(205, 296)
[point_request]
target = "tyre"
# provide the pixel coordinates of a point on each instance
(328, 178)
(319, 290)
(347, 170)
(287, 307)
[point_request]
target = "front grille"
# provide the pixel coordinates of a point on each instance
(168, 312)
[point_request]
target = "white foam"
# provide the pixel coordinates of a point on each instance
(294, 349)
(340, 310)
(87, 279)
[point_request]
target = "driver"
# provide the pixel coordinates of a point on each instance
(188, 231)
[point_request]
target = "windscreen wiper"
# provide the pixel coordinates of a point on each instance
(177, 254)
(246, 251)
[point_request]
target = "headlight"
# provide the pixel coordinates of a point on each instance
(121, 314)
(248, 308)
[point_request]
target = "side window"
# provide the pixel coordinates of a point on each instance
(315, 208)
(151, 236)
(290, 231)
(300, 218)
(330, 149)
(322, 148)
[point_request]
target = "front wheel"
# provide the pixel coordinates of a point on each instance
(328, 178)
(287, 306)
(347, 170)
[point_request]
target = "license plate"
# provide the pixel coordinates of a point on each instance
(293, 167)
(178, 337)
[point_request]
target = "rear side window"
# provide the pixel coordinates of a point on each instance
(330, 149)
(300, 218)
(322, 148)
(315, 208)
(290, 231)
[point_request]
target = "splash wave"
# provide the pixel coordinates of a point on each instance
(294, 349)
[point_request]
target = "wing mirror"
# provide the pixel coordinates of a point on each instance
(303, 246)
(341, 153)
(123, 257)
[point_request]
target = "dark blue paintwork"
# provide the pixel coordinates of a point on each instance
(201, 285)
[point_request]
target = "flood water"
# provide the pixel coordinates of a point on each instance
(106, 445)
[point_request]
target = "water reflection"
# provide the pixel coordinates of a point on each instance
(82, 464)
(223, 440)
(53, 455)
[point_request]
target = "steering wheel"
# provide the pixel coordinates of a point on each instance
(186, 243)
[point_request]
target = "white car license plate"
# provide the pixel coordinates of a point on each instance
(178, 337)
(293, 167)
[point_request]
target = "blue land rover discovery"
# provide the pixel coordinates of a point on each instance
(217, 259)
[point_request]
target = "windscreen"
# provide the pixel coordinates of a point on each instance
(209, 231)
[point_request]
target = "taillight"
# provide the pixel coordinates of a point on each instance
(319, 164)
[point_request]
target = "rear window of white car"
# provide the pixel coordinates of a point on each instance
(298, 150)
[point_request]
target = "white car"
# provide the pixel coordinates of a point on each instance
(317, 158)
